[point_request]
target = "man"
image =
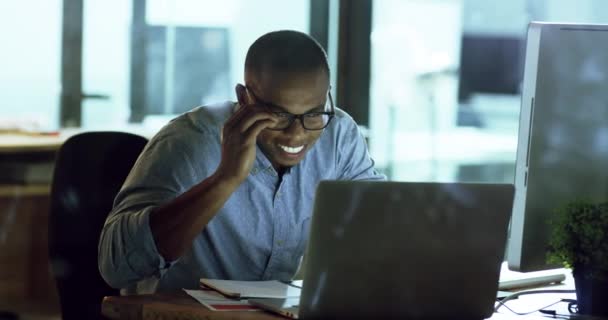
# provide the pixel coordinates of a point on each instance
(227, 191)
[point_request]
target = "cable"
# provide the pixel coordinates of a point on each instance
(522, 293)
(535, 310)
(572, 305)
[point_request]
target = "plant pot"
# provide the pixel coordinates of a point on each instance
(591, 294)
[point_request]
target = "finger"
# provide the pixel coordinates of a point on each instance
(236, 123)
(253, 131)
(248, 121)
(236, 117)
(243, 113)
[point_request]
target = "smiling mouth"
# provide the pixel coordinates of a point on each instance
(292, 150)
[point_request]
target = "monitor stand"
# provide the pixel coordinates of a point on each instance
(513, 280)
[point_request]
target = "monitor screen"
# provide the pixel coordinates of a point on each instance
(562, 152)
(489, 64)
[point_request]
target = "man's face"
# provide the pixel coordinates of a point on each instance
(296, 93)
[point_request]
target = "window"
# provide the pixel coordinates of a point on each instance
(30, 63)
(445, 84)
(192, 53)
(196, 49)
(420, 130)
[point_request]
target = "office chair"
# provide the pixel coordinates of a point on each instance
(89, 171)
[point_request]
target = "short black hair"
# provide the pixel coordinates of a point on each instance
(285, 51)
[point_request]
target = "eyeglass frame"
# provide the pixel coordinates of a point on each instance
(293, 117)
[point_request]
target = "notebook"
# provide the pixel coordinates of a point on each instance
(252, 289)
(402, 250)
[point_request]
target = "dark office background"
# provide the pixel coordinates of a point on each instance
(434, 85)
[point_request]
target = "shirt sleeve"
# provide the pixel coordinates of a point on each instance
(354, 161)
(127, 251)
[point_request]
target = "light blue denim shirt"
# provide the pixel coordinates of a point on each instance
(261, 231)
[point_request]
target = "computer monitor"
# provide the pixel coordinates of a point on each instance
(562, 152)
(489, 64)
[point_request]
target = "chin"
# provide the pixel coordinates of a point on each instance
(285, 161)
(288, 164)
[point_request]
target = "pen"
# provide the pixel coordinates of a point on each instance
(290, 283)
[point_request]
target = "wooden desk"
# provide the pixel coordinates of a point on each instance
(171, 306)
(26, 284)
(181, 306)
(19, 143)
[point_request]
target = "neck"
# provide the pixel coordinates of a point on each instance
(280, 170)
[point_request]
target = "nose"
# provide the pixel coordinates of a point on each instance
(296, 129)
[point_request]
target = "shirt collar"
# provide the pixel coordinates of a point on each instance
(262, 163)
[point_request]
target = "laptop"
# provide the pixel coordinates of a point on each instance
(402, 249)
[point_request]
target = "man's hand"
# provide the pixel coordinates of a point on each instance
(239, 136)
(175, 224)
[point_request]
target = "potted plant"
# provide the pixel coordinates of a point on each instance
(579, 241)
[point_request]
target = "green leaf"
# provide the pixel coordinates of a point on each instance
(579, 237)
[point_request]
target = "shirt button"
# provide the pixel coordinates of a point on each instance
(280, 243)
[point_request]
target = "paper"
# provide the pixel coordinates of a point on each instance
(217, 302)
(253, 289)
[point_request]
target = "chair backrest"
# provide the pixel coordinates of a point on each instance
(89, 171)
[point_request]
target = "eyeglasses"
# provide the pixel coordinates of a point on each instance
(309, 120)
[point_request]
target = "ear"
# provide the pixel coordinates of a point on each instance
(241, 94)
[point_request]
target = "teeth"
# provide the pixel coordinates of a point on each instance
(291, 149)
